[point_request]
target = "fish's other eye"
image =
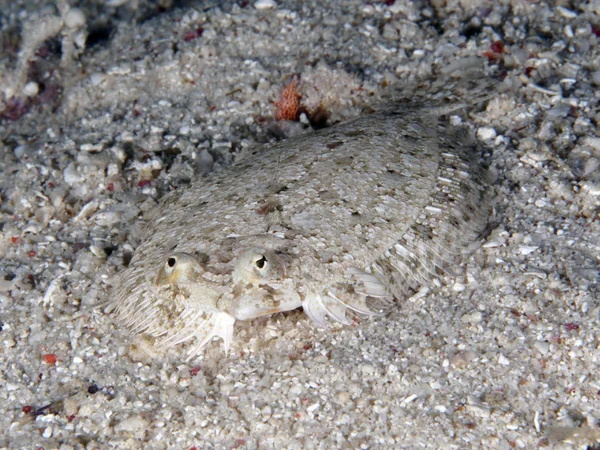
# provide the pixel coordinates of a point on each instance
(171, 261)
(255, 265)
(261, 262)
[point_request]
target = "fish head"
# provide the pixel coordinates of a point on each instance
(247, 278)
(243, 277)
(261, 284)
(237, 280)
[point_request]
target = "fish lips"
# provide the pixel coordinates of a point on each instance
(262, 302)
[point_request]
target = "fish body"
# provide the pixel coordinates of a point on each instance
(336, 222)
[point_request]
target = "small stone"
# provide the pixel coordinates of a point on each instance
(31, 89)
(593, 141)
(206, 161)
(313, 407)
(503, 360)
(265, 4)
(486, 133)
(458, 287)
(343, 397)
(542, 347)
(98, 251)
(418, 54)
(479, 410)
(74, 18)
(20, 151)
(107, 218)
(368, 10)
(92, 148)
(97, 78)
(10, 387)
(132, 424)
(590, 166)
(566, 13)
(71, 175)
(472, 318)
(527, 249)
(87, 211)
(462, 359)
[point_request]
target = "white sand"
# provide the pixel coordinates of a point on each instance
(503, 356)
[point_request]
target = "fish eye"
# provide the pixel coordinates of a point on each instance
(171, 261)
(261, 262)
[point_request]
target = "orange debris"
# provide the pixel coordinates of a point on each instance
(288, 105)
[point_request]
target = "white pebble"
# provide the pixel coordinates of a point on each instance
(527, 249)
(503, 360)
(462, 359)
(265, 4)
(479, 410)
(472, 318)
(10, 387)
(368, 10)
(20, 151)
(87, 210)
(71, 175)
(343, 397)
(313, 407)
(458, 287)
(591, 165)
(206, 160)
(486, 133)
(96, 78)
(132, 424)
(542, 347)
(418, 54)
(31, 89)
(98, 251)
(92, 148)
(74, 18)
(593, 141)
(455, 121)
(566, 13)
(107, 218)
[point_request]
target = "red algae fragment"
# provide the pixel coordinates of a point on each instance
(49, 358)
(496, 49)
(571, 326)
(190, 35)
(288, 105)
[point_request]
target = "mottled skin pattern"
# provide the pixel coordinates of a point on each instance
(342, 219)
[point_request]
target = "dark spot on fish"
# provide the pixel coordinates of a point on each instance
(268, 207)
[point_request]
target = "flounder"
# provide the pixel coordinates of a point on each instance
(337, 222)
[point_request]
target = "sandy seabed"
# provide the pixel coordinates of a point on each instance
(108, 105)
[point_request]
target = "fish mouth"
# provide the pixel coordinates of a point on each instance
(248, 307)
